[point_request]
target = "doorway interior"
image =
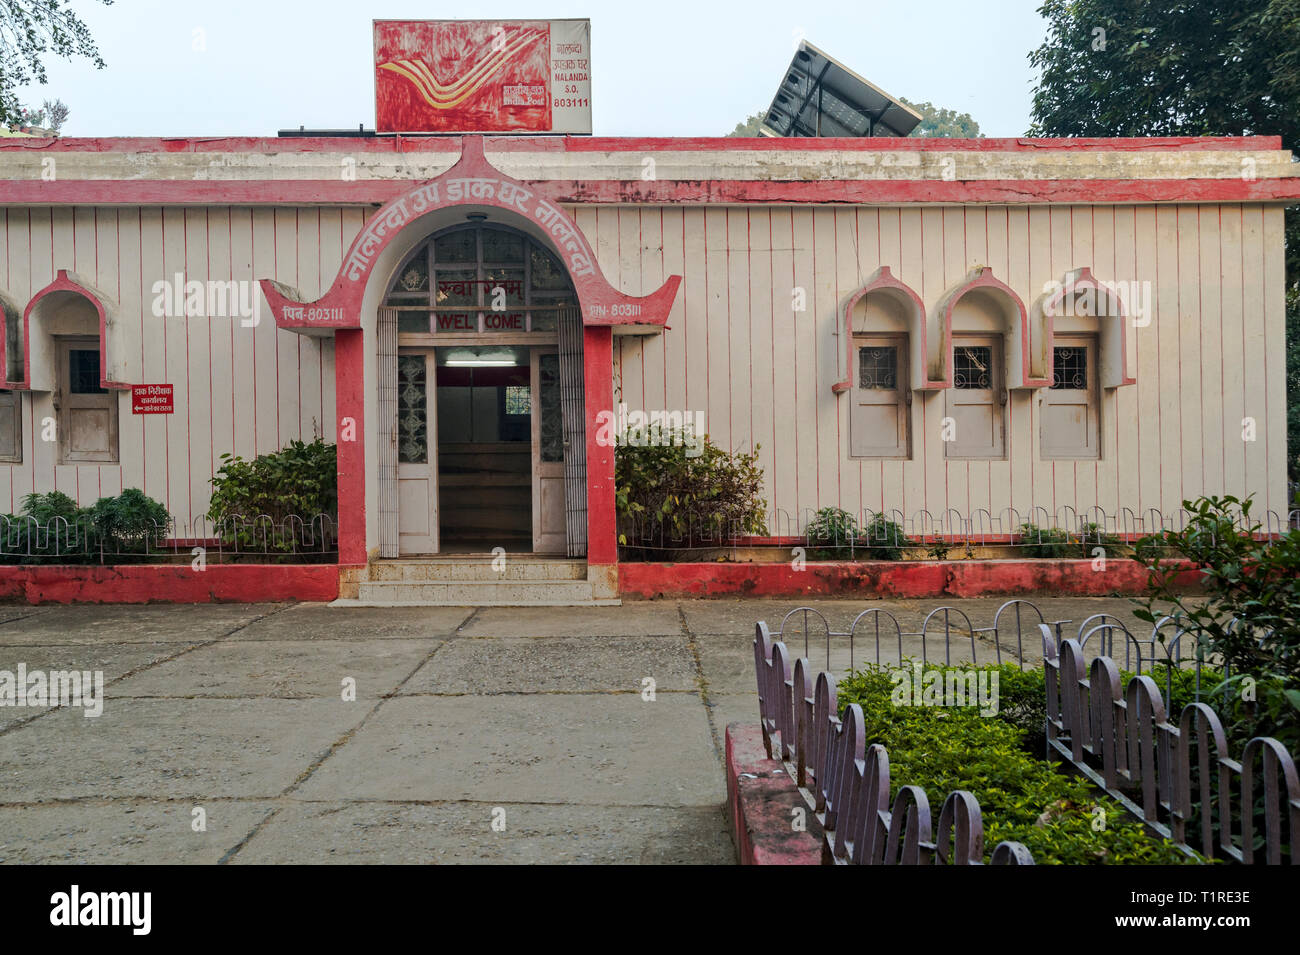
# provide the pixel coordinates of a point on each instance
(485, 399)
(484, 458)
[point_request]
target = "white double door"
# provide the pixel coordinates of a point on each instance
(417, 458)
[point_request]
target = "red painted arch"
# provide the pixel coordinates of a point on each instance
(883, 281)
(473, 183)
(64, 282)
(982, 279)
(1113, 328)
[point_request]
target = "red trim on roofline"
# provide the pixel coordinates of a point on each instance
(267, 192)
(451, 144)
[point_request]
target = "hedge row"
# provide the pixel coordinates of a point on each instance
(1060, 818)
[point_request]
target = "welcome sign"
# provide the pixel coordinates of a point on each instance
(483, 76)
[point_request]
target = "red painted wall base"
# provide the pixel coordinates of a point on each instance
(970, 578)
(166, 583)
(761, 800)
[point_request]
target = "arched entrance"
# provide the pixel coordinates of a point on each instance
(481, 398)
(367, 449)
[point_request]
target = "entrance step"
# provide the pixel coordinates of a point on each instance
(473, 581)
(477, 569)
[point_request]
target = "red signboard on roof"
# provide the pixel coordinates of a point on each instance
(483, 76)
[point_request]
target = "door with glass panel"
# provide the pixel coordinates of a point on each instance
(548, 454)
(879, 417)
(484, 461)
(1069, 408)
(417, 439)
(86, 410)
(977, 400)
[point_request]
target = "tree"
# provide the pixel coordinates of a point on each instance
(1196, 68)
(30, 29)
(938, 122)
(56, 114)
(750, 126)
(1293, 377)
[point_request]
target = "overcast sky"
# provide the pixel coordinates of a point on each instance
(659, 68)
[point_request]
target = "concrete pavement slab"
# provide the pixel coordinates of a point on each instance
(151, 623)
(171, 748)
(634, 618)
(727, 708)
(14, 612)
(113, 660)
(545, 748)
(125, 832)
(738, 615)
(370, 832)
(301, 669)
(488, 665)
(322, 622)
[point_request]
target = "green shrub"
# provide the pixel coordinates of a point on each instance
(834, 534)
(1023, 798)
(1052, 542)
(300, 480)
(51, 505)
(132, 522)
(938, 549)
(49, 528)
(1091, 536)
(52, 529)
(290, 487)
(882, 539)
(1045, 542)
(1249, 617)
(1151, 547)
(1023, 698)
(667, 497)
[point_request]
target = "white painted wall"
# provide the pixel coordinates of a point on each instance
(1212, 355)
(735, 350)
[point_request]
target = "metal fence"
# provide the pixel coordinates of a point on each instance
(1123, 742)
(291, 539)
(892, 534)
(1165, 649)
(879, 629)
(847, 783)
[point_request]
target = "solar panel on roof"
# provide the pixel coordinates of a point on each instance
(820, 96)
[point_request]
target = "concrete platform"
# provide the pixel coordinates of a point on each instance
(476, 580)
(532, 719)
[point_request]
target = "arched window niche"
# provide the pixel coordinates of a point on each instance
(887, 306)
(982, 304)
(1080, 304)
(68, 306)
